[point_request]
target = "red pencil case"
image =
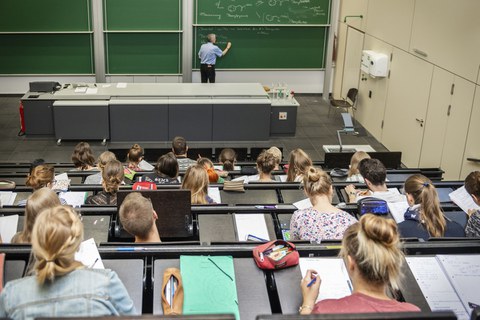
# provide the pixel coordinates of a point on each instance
(276, 254)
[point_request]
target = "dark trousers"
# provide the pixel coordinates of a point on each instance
(207, 72)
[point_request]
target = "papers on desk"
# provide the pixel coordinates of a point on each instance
(252, 225)
(398, 209)
(91, 91)
(81, 89)
(88, 255)
(7, 198)
(282, 177)
(336, 283)
(74, 198)
(209, 285)
(144, 165)
(8, 227)
(303, 204)
(448, 282)
(462, 199)
(62, 182)
(214, 193)
(220, 167)
(121, 85)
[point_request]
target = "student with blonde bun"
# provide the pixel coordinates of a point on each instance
(112, 176)
(323, 220)
(44, 198)
(196, 180)
(61, 286)
(134, 157)
(472, 185)
(371, 250)
(424, 218)
(227, 158)
(298, 165)
(353, 172)
(82, 157)
(40, 176)
(277, 155)
(265, 165)
(102, 161)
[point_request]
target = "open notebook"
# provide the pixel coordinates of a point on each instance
(448, 282)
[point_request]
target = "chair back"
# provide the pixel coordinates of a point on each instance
(352, 95)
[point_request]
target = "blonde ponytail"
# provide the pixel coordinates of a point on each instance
(56, 236)
(373, 243)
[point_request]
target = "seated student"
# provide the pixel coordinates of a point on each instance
(43, 198)
(277, 155)
(323, 220)
(102, 160)
(61, 286)
(42, 175)
(196, 180)
(213, 175)
(82, 157)
(472, 185)
(353, 172)
(165, 172)
(375, 175)
(134, 157)
(138, 218)
(265, 165)
(298, 165)
(112, 176)
(227, 158)
(371, 250)
(424, 218)
(180, 149)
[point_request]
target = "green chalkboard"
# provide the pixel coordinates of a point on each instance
(256, 12)
(46, 54)
(143, 53)
(44, 15)
(266, 47)
(142, 14)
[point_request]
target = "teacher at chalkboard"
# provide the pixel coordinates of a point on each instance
(208, 56)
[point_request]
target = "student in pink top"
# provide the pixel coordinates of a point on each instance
(372, 253)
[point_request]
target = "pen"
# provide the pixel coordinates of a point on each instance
(250, 236)
(131, 249)
(312, 281)
(266, 207)
(94, 263)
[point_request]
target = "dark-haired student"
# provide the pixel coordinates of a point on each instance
(375, 174)
(371, 250)
(82, 157)
(424, 218)
(138, 218)
(102, 161)
(165, 171)
(180, 150)
(134, 157)
(323, 220)
(227, 159)
(472, 185)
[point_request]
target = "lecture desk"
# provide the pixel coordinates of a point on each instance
(252, 290)
(159, 112)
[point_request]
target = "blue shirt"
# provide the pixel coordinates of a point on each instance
(208, 53)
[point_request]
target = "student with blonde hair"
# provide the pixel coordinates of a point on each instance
(371, 250)
(214, 176)
(265, 165)
(323, 220)
(227, 158)
(102, 161)
(44, 198)
(277, 155)
(138, 218)
(82, 157)
(112, 176)
(134, 157)
(424, 218)
(62, 286)
(196, 180)
(353, 172)
(298, 165)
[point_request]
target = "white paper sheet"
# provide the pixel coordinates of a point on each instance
(144, 165)
(62, 182)
(398, 209)
(81, 89)
(8, 227)
(436, 288)
(462, 199)
(121, 85)
(253, 224)
(282, 177)
(214, 193)
(463, 272)
(7, 198)
(303, 204)
(220, 167)
(88, 255)
(91, 91)
(73, 198)
(335, 280)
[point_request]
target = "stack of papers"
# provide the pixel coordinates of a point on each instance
(398, 209)
(251, 227)
(462, 199)
(303, 204)
(88, 255)
(74, 198)
(7, 198)
(144, 165)
(62, 182)
(214, 193)
(8, 227)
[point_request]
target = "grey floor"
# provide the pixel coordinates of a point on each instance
(314, 129)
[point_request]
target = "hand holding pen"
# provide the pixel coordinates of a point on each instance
(310, 288)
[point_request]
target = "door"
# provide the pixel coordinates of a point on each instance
(471, 157)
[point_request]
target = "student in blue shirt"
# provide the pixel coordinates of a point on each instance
(208, 57)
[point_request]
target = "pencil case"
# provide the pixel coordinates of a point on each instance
(276, 254)
(174, 305)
